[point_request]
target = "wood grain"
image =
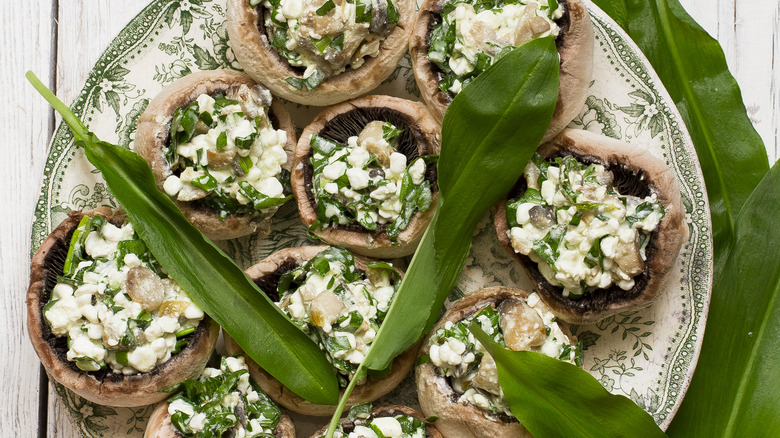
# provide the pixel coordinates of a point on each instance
(32, 40)
(26, 39)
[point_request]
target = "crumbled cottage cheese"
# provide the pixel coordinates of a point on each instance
(367, 181)
(340, 307)
(226, 154)
(115, 306)
(583, 233)
(326, 37)
(193, 411)
(473, 35)
(472, 373)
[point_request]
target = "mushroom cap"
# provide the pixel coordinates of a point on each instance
(266, 274)
(422, 129)
(103, 387)
(575, 46)
(261, 61)
(436, 396)
(639, 170)
(160, 426)
(390, 411)
(152, 137)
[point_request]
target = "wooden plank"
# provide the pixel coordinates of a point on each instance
(749, 33)
(705, 12)
(86, 27)
(757, 64)
(26, 35)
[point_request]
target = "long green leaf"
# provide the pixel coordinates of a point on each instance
(693, 69)
(552, 398)
(210, 277)
(491, 128)
(736, 388)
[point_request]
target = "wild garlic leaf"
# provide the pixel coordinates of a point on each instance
(221, 288)
(553, 398)
(734, 389)
(480, 135)
(692, 67)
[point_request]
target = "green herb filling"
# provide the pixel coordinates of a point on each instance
(226, 154)
(339, 306)
(326, 37)
(471, 370)
(223, 400)
(114, 303)
(473, 34)
(583, 233)
(364, 425)
(368, 182)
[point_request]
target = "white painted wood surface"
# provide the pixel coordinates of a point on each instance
(61, 39)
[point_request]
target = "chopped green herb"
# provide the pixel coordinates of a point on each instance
(325, 8)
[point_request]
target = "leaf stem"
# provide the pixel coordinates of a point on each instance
(334, 421)
(76, 126)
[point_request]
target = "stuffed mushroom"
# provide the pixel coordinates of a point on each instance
(319, 52)
(340, 301)
(455, 40)
(364, 175)
(596, 223)
(223, 401)
(394, 421)
(457, 380)
(104, 318)
(221, 147)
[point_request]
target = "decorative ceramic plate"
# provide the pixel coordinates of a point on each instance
(648, 355)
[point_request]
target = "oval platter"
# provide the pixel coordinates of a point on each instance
(648, 356)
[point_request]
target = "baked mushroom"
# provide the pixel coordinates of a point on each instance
(319, 52)
(364, 175)
(396, 421)
(457, 380)
(103, 318)
(221, 147)
(596, 223)
(242, 409)
(455, 40)
(340, 301)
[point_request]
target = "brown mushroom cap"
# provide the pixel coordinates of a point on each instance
(152, 137)
(638, 173)
(387, 411)
(102, 387)
(421, 136)
(436, 396)
(575, 46)
(160, 426)
(246, 29)
(266, 275)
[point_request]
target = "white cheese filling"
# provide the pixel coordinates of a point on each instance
(367, 177)
(583, 233)
(481, 35)
(323, 36)
(240, 395)
(472, 373)
(399, 426)
(239, 155)
(342, 316)
(119, 313)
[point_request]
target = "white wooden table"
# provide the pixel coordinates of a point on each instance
(60, 40)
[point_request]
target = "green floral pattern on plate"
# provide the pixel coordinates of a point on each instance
(647, 355)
